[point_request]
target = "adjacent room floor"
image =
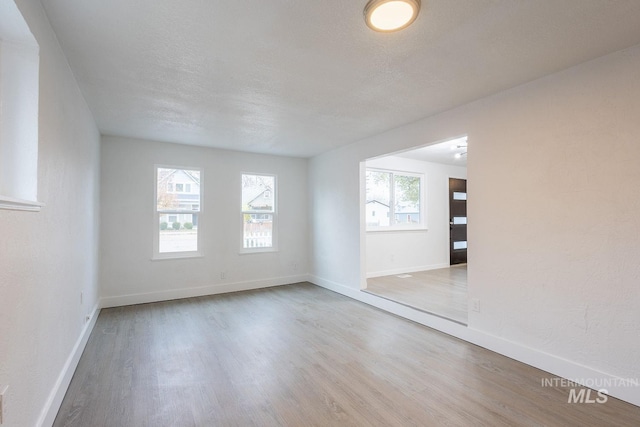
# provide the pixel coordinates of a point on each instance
(301, 355)
(442, 292)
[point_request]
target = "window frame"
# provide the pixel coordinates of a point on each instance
(157, 255)
(422, 223)
(274, 213)
(20, 100)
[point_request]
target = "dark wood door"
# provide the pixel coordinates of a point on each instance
(457, 221)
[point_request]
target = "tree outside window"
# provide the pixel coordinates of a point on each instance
(393, 200)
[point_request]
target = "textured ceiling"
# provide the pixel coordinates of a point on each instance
(298, 78)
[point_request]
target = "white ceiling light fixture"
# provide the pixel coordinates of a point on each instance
(459, 155)
(391, 15)
(460, 144)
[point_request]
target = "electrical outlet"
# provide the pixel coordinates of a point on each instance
(223, 275)
(3, 402)
(81, 297)
(475, 305)
(294, 266)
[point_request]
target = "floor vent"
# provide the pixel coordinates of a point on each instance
(403, 276)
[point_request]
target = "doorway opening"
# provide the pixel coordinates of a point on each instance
(422, 266)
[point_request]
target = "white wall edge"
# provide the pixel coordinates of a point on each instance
(371, 275)
(171, 294)
(554, 365)
(52, 406)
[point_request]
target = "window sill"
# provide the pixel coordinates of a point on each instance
(176, 255)
(386, 230)
(11, 203)
(257, 251)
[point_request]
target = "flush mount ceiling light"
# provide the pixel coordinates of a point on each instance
(391, 15)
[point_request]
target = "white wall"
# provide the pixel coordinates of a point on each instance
(128, 275)
(554, 259)
(394, 252)
(48, 258)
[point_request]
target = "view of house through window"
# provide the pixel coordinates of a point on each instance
(258, 211)
(393, 199)
(178, 206)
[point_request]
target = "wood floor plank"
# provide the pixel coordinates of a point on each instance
(300, 355)
(442, 291)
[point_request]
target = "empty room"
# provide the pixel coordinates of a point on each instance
(319, 213)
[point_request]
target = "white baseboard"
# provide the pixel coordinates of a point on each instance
(143, 298)
(555, 365)
(52, 406)
(394, 271)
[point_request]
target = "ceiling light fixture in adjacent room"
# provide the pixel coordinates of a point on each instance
(391, 15)
(459, 155)
(461, 145)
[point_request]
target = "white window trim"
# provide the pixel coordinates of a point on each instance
(14, 204)
(274, 231)
(421, 226)
(162, 256)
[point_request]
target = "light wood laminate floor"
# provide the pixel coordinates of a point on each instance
(442, 292)
(301, 355)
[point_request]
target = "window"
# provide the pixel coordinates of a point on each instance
(393, 200)
(258, 212)
(177, 213)
(19, 93)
